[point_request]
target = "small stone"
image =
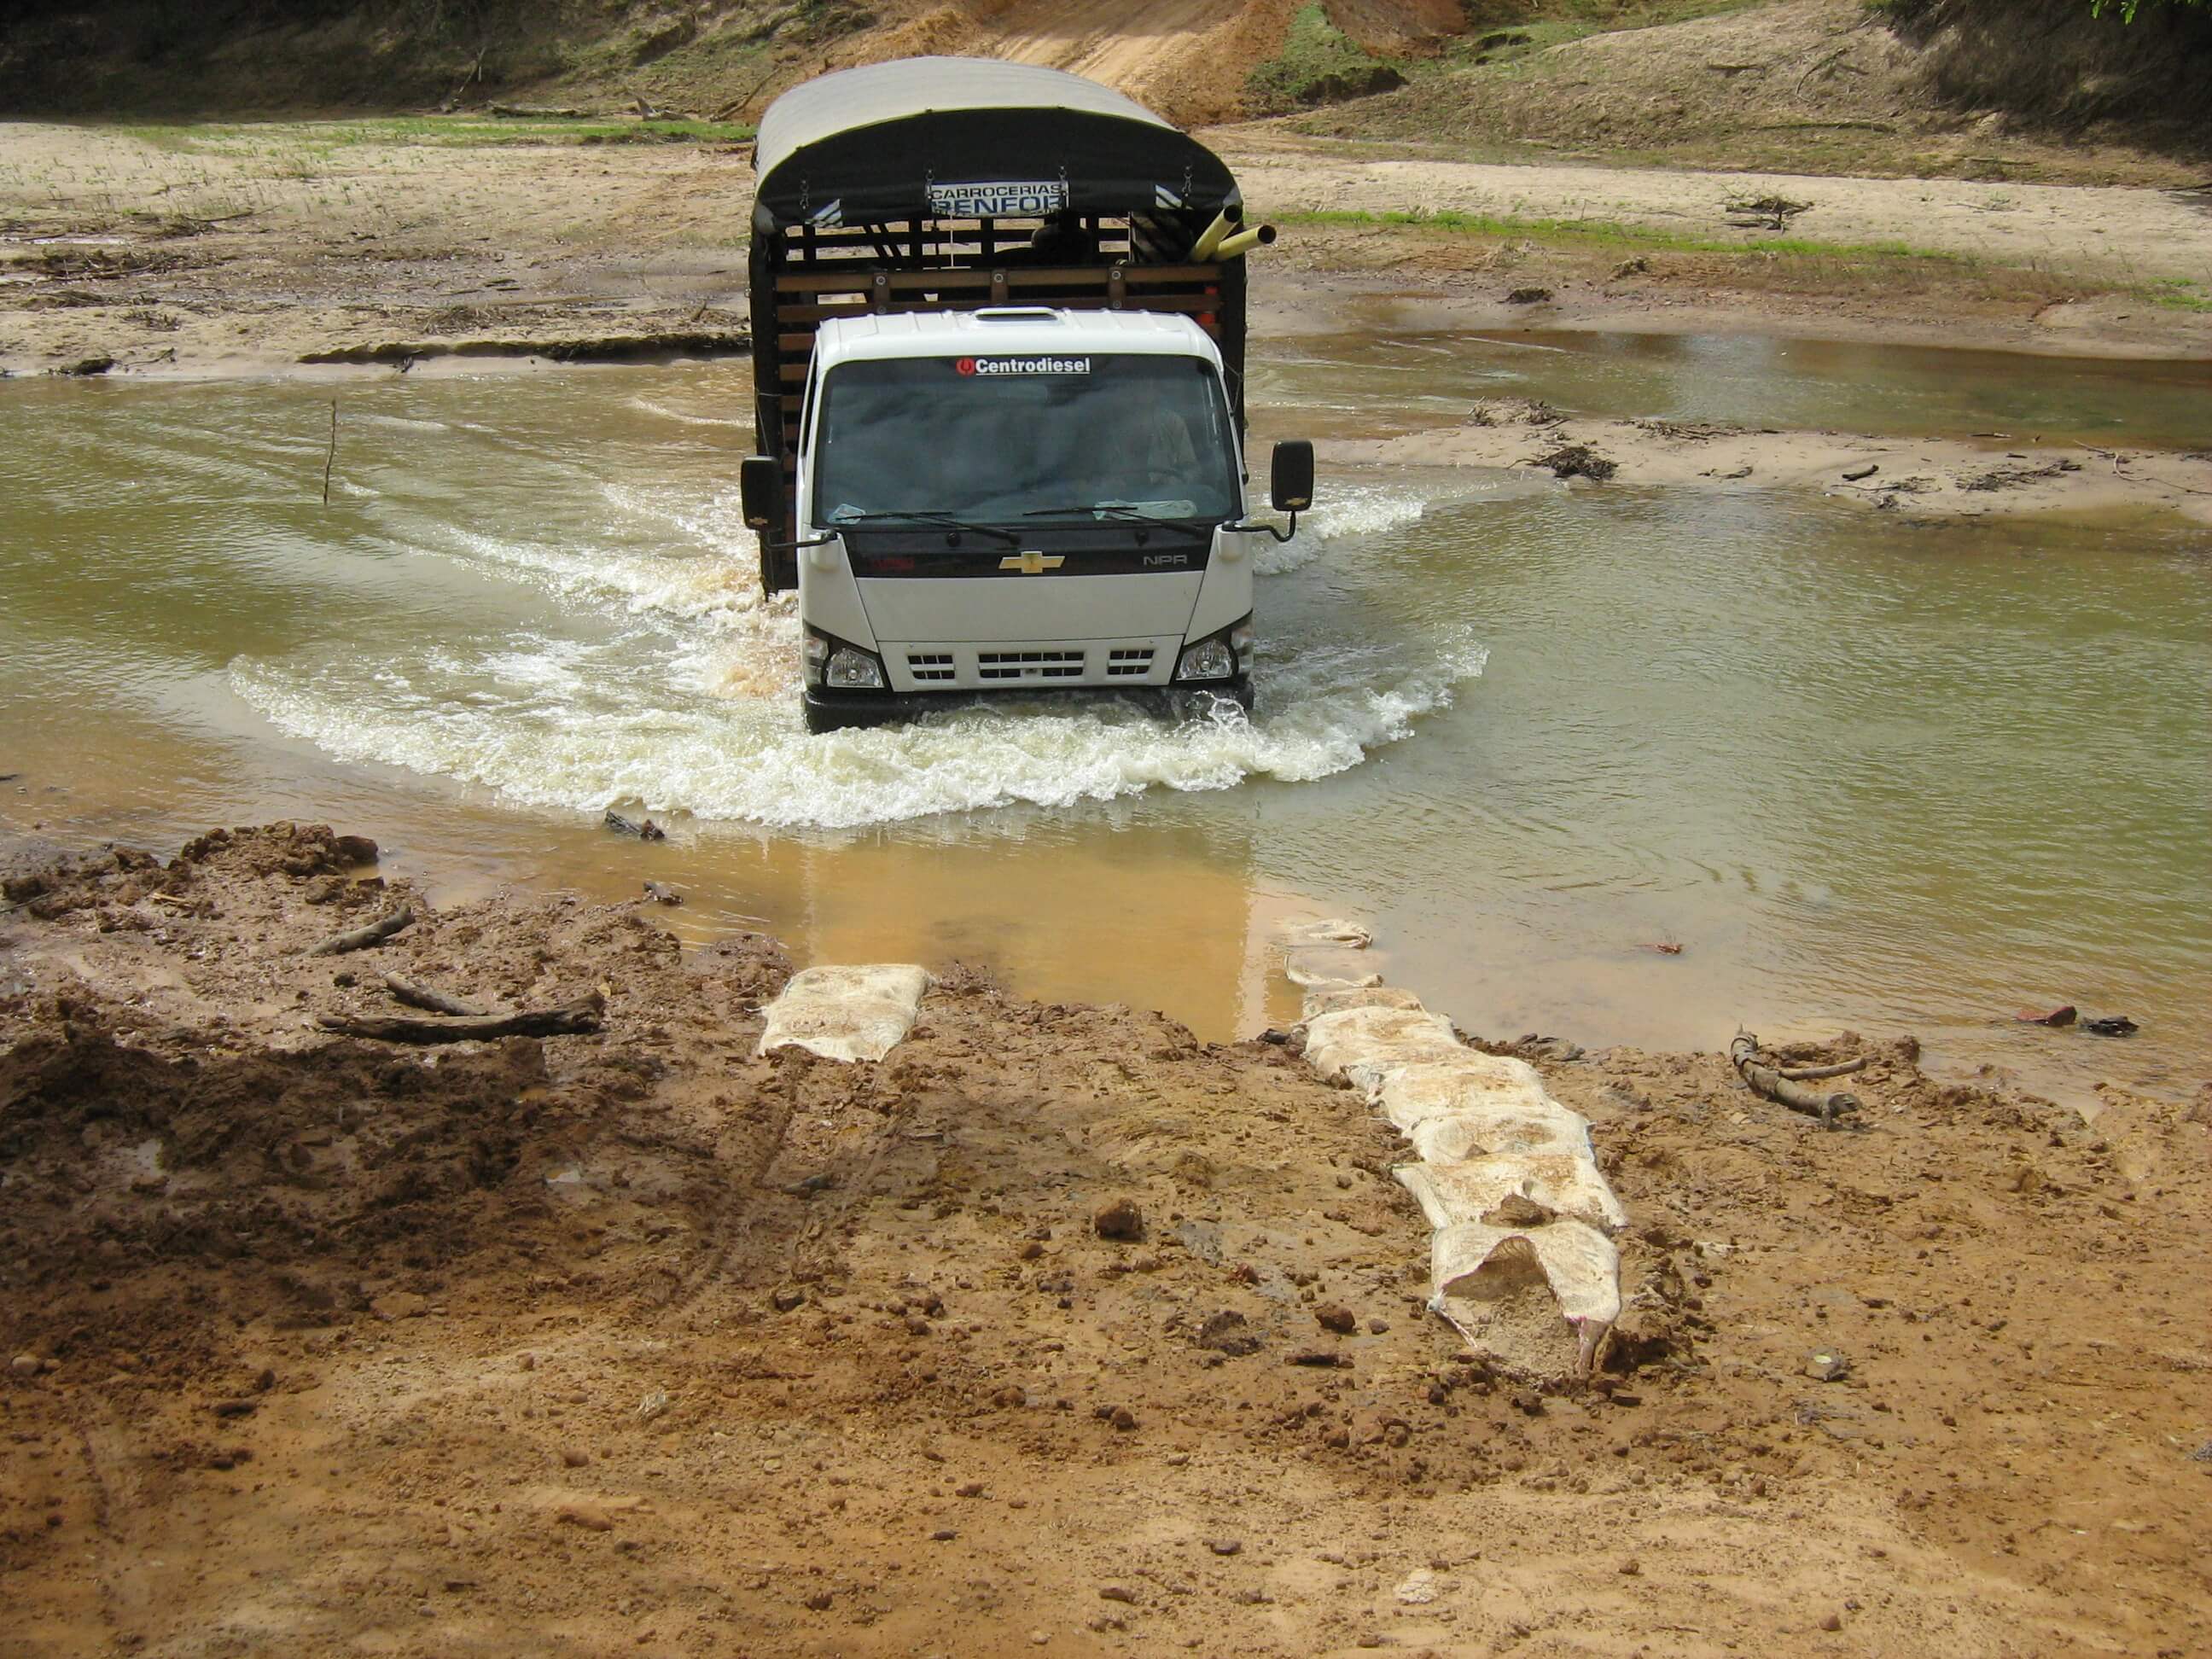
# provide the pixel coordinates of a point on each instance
(1225, 1546)
(24, 1364)
(1030, 1250)
(1827, 1365)
(1176, 1460)
(1227, 1331)
(654, 1406)
(789, 1298)
(1528, 1402)
(1832, 1621)
(585, 1516)
(1376, 1327)
(916, 1325)
(1038, 1638)
(234, 1407)
(1120, 1219)
(1121, 1592)
(819, 1602)
(399, 1304)
(943, 1535)
(529, 1362)
(1632, 1568)
(972, 1489)
(1012, 1395)
(1123, 1419)
(576, 1457)
(1340, 1320)
(1417, 1588)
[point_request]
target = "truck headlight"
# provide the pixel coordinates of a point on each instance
(850, 670)
(1218, 656)
(1209, 660)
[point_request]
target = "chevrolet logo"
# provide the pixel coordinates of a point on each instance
(1032, 564)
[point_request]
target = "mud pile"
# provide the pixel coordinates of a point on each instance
(1054, 1329)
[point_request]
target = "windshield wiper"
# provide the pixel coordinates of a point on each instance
(919, 515)
(1121, 512)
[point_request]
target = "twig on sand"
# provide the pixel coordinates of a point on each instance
(361, 938)
(1767, 1081)
(421, 996)
(573, 1020)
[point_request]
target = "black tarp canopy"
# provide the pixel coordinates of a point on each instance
(869, 145)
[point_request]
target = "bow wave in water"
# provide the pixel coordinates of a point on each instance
(667, 681)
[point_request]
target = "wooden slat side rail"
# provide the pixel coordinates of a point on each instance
(1096, 277)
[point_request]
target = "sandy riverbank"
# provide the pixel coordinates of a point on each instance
(633, 1338)
(247, 250)
(1913, 479)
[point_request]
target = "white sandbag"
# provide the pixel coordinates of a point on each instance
(1332, 930)
(1363, 1044)
(1464, 1080)
(1568, 1184)
(1332, 969)
(1327, 1000)
(1489, 1131)
(1537, 1284)
(846, 1013)
(1483, 1276)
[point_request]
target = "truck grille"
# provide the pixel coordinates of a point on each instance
(1133, 663)
(1002, 665)
(930, 665)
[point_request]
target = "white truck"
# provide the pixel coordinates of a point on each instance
(998, 338)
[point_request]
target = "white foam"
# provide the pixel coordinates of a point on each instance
(647, 406)
(580, 727)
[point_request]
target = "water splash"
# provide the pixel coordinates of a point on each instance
(664, 679)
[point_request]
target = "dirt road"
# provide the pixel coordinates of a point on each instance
(636, 1341)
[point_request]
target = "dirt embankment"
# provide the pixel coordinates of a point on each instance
(633, 1338)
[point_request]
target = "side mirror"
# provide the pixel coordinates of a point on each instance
(760, 492)
(1290, 480)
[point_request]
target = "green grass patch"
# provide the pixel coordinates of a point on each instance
(2177, 293)
(1609, 233)
(1319, 64)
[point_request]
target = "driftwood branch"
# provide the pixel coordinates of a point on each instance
(577, 1018)
(1769, 1082)
(361, 938)
(421, 996)
(1813, 1073)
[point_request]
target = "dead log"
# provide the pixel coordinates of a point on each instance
(1815, 1073)
(573, 1020)
(1768, 1082)
(421, 996)
(382, 928)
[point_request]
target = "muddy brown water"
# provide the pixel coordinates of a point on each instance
(1868, 774)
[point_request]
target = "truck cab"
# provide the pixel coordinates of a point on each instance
(998, 336)
(1019, 499)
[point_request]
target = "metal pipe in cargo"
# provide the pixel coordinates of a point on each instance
(1209, 240)
(1235, 247)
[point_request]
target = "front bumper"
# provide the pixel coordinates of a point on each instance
(829, 710)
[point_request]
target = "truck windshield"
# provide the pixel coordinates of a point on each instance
(1025, 435)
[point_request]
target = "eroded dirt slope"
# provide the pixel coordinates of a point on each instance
(635, 1340)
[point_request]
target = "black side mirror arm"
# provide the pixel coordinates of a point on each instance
(1279, 535)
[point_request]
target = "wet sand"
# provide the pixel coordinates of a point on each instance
(633, 1338)
(1914, 479)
